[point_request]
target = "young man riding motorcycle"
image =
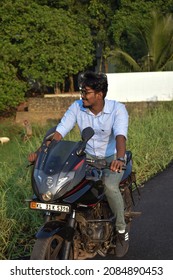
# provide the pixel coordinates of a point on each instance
(109, 119)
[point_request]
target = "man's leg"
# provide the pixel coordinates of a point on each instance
(114, 197)
(116, 203)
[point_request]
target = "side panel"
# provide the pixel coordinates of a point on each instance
(88, 193)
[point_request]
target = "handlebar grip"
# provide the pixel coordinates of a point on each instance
(100, 163)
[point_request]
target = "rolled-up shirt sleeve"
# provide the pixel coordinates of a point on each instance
(68, 121)
(120, 126)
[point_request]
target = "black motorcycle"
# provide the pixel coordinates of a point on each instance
(78, 223)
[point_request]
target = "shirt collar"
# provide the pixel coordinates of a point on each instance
(106, 108)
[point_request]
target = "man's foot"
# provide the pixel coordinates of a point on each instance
(122, 243)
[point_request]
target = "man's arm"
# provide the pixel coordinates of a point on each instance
(116, 165)
(120, 146)
(33, 156)
(67, 123)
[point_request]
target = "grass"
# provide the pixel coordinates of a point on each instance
(150, 139)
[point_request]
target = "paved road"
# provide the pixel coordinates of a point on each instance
(151, 236)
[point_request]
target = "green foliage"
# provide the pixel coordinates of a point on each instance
(159, 43)
(96, 14)
(46, 41)
(11, 88)
(52, 43)
(150, 140)
(155, 42)
(135, 13)
(41, 43)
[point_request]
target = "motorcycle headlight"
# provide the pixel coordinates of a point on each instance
(62, 181)
(47, 196)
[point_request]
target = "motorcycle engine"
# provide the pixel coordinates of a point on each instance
(94, 234)
(94, 231)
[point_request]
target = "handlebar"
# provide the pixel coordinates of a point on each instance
(100, 163)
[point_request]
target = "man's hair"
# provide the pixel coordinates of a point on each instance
(96, 81)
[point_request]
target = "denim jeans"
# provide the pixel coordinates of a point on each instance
(111, 180)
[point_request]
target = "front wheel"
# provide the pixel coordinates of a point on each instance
(49, 249)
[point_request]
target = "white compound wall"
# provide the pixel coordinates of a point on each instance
(143, 86)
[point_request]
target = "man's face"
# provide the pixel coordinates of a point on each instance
(89, 97)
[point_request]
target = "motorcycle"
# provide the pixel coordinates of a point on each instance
(67, 186)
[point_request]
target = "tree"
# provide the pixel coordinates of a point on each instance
(11, 88)
(97, 15)
(135, 13)
(41, 43)
(111, 22)
(156, 44)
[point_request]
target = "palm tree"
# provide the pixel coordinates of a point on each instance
(157, 39)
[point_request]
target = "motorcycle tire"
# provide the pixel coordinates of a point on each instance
(49, 249)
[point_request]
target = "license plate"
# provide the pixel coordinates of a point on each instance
(50, 207)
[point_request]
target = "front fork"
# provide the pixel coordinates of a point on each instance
(68, 243)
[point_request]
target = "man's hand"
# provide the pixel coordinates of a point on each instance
(32, 157)
(57, 136)
(117, 166)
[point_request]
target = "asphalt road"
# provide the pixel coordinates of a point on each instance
(151, 235)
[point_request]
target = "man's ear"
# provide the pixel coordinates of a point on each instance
(100, 95)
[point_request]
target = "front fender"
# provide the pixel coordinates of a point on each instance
(56, 227)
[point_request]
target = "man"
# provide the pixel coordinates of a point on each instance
(109, 119)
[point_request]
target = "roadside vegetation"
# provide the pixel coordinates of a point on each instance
(150, 140)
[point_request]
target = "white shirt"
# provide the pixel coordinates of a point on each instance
(112, 121)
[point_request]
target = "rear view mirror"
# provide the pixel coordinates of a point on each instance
(87, 133)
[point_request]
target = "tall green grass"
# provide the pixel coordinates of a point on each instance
(150, 139)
